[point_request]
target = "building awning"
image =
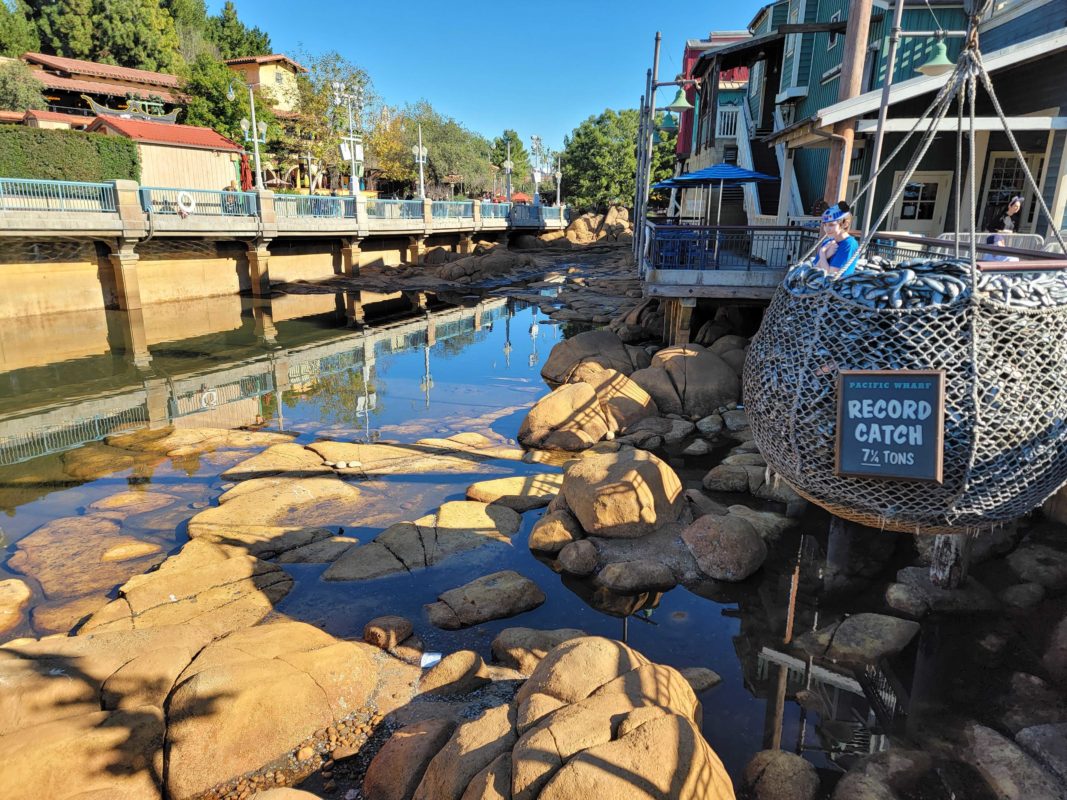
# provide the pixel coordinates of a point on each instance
(81, 86)
(813, 127)
(741, 53)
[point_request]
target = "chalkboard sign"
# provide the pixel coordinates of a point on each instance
(890, 424)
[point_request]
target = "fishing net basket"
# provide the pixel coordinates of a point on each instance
(1005, 441)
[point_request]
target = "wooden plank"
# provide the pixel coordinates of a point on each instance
(714, 292)
(905, 124)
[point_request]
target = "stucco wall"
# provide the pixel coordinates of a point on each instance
(162, 165)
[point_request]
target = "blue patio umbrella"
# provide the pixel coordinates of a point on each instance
(722, 174)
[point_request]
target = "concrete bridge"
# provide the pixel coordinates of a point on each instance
(130, 220)
(228, 394)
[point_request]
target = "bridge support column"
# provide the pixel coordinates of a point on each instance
(683, 320)
(478, 317)
(354, 312)
(259, 267)
(263, 314)
(280, 368)
(158, 398)
(417, 299)
(466, 244)
(416, 249)
(124, 263)
(431, 331)
(350, 256)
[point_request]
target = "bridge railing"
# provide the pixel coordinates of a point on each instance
(525, 215)
(495, 210)
(198, 202)
(394, 209)
(551, 213)
(20, 194)
(452, 209)
(289, 205)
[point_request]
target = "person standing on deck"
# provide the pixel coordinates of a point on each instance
(1004, 220)
(837, 251)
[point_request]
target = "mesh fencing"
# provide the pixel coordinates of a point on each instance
(1005, 441)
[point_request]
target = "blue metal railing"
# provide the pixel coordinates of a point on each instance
(394, 209)
(553, 213)
(21, 194)
(198, 202)
(59, 438)
(495, 210)
(525, 215)
(727, 248)
(288, 205)
(451, 209)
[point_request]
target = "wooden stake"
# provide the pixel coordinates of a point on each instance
(948, 561)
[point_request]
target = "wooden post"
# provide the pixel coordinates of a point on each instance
(851, 83)
(683, 320)
(948, 560)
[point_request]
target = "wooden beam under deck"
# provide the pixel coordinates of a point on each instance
(712, 292)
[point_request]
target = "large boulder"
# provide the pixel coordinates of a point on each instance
(570, 418)
(397, 769)
(622, 401)
(702, 380)
(861, 638)
(519, 492)
(623, 495)
(726, 548)
(471, 748)
(495, 596)
(599, 347)
(554, 531)
(14, 595)
(523, 648)
(251, 698)
(1006, 768)
(778, 775)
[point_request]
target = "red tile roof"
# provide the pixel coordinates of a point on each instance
(51, 81)
(58, 116)
(163, 133)
(12, 116)
(266, 60)
(75, 66)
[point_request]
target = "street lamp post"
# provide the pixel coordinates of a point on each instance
(559, 181)
(508, 165)
(353, 101)
(420, 158)
(256, 132)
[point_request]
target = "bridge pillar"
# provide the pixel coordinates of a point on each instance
(478, 317)
(124, 263)
(354, 312)
(416, 249)
(263, 316)
(259, 267)
(417, 299)
(466, 243)
(683, 320)
(280, 367)
(158, 397)
(431, 330)
(350, 256)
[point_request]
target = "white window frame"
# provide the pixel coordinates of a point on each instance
(1032, 161)
(831, 41)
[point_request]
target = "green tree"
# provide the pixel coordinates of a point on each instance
(135, 33)
(191, 24)
(453, 151)
(522, 172)
(19, 90)
(600, 160)
(389, 159)
(17, 32)
(210, 106)
(65, 27)
(130, 33)
(235, 39)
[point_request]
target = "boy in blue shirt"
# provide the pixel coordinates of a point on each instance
(837, 252)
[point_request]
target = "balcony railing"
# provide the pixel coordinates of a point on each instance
(314, 206)
(495, 210)
(198, 202)
(394, 209)
(675, 247)
(18, 194)
(451, 209)
(726, 124)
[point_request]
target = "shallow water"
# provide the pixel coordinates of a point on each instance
(396, 380)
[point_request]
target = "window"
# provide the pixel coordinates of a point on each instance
(1005, 179)
(919, 201)
(278, 77)
(832, 41)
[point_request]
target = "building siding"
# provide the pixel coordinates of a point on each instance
(1040, 18)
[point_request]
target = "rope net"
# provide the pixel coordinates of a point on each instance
(1001, 342)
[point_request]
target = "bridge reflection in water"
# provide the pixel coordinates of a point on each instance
(215, 362)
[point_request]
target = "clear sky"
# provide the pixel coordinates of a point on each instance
(538, 67)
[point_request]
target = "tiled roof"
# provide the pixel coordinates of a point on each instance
(11, 116)
(75, 66)
(58, 116)
(51, 81)
(266, 60)
(164, 133)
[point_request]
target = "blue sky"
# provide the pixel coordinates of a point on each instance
(540, 68)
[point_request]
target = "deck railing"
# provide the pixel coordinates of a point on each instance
(680, 247)
(20, 194)
(551, 213)
(394, 209)
(726, 124)
(288, 205)
(495, 210)
(525, 215)
(452, 209)
(198, 202)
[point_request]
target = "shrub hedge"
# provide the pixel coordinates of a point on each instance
(48, 154)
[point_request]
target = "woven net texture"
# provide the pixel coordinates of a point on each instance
(1005, 441)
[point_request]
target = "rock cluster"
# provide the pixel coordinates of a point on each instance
(614, 225)
(594, 716)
